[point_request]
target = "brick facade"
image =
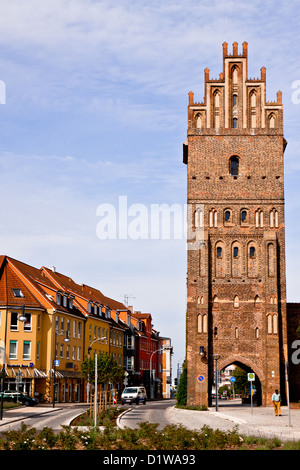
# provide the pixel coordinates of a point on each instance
(236, 284)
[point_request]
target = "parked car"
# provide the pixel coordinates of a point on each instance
(134, 395)
(19, 397)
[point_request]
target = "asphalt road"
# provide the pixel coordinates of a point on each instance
(41, 416)
(153, 412)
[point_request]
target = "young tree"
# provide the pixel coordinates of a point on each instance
(108, 370)
(241, 384)
(181, 395)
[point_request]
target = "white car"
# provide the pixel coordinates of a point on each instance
(134, 395)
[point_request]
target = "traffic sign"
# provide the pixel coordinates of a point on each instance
(232, 379)
(251, 377)
(201, 378)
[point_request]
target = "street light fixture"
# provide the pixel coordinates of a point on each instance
(216, 357)
(66, 340)
(96, 378)
(164, 348)
(21, 318)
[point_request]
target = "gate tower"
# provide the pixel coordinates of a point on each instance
(236, 282)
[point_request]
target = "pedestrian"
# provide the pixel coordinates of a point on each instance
(276, 399)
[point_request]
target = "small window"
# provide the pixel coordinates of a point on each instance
(17, 293)
(244, 216)
(252, 252)
(235, 123)
(13, 349)
(14, 321)
(27, 323)
(227, 216)
(234, 100)
(234, 166)
(219, 252)
(235, 252)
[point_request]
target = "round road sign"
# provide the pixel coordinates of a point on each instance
(201, 378)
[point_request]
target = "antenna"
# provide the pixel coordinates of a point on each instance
(126, 298)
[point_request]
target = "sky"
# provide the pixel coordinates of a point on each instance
(93, 115)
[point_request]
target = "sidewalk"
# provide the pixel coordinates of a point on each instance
(262, 422)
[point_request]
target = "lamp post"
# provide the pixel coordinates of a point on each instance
(66, 340)
(216, 357)
(21, 318)
(96, 378)
(164, 348)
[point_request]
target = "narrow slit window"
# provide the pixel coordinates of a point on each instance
(235, 252)
(234, 166)
(219, 252)
(252, 252)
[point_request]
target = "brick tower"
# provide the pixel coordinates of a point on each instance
(236, 284)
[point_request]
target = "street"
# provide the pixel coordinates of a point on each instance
(41, 416)
(153, 412)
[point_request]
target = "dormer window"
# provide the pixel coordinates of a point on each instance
(18, 293)
(58, 298)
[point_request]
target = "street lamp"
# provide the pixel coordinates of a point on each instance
(164, 348)
(21, 318)
(216, 357)
(96, 378)
(66, 340)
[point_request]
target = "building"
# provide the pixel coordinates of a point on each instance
(47, 348)
(236, 282)
(49, 325)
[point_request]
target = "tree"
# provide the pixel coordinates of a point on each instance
(181, 395)
(241, 384)
(108, 370)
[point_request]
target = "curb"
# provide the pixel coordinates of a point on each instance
(120, 417)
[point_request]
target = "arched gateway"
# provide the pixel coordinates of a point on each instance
(236, 255)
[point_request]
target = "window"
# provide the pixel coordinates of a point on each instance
(235, 252)
(234, 166)
(14, 321)
(219, 252)
(17, 293)
(235, 121)
(234, 100)
(27, 323)
(252, 252)
(13, 349)
(243, 216)
(227, 216)
(79, 330)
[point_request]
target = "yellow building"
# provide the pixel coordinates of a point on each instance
(36, 351)
(64, 322)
